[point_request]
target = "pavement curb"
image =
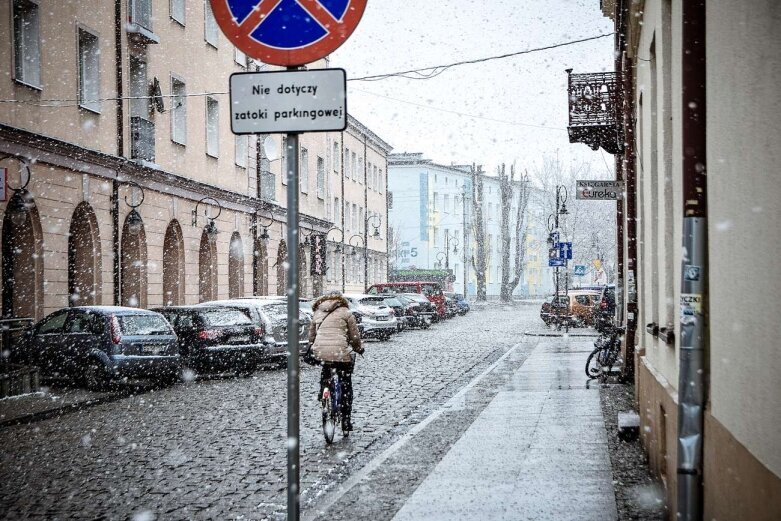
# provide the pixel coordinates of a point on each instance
(560, 334)
(62, 410)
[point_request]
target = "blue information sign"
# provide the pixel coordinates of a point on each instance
(556, 263)
(579, 270)
(565, 250)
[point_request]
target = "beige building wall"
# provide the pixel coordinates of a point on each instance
(742, 461)
(82, 163)
(744, 104)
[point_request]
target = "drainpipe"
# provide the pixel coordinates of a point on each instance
(693, 345)
(118, 24)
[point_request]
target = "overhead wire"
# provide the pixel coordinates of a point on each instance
(423, 73)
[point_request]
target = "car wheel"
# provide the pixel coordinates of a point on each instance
(95, 376)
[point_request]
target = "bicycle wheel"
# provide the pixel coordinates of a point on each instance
(593, 367)
(329, 423)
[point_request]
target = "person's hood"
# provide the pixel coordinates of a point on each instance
(329, 303)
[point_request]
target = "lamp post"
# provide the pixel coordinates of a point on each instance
(258, 222)
(338, 249)
(365, 256)
(448, 239)
(440, 257)
(376, 235)
(553, 226)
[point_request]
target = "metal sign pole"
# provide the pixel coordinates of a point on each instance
(293, 408)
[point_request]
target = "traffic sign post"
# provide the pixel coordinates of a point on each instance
(289, 33)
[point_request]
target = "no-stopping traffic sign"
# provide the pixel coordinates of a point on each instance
(288, 32)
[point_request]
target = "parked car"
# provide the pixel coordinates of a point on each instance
(461, 303)
(377, 319)
(271, 315)
(96, 345)
(605, 309)
(576, 307)
(421, 309)
(451, 307)
(397, 306)
(216, 337)
(432, 291)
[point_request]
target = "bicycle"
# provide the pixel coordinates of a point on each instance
(331, 402)
(607, 350)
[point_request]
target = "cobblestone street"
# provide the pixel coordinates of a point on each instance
(216, 448)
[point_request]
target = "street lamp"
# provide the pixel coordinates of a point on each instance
(448, 239)
(440, 256)
(370, 220)
(553, 226)
(211, 227)
(18, 207)
(134, 222)
(258, 223)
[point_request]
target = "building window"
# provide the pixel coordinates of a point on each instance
(178, 11)
(178, 111)
(89, 71)
(241, 151)
(446, 203)
(141, 13)
(347, 163)
(355, 218)
(361, 171)
(353, 163)
(320, 178)
(434, 201)
(348, 224)
(212, 127)
(142, 128)
(335, 157)
(27, 43)
(336, 211)
(361, 221)
(303, 171)
(240, 58)
(211, 31)
(381, 182)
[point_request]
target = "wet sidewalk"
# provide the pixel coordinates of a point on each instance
(538, 451)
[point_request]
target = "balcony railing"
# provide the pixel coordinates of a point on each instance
(594, 105)
(142, 139)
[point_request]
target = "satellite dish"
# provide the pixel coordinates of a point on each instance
(270, 148)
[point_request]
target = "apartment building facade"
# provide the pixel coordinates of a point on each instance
(432, 222)
(126, 185)
(740, 471)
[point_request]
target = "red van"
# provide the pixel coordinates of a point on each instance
(432, 291)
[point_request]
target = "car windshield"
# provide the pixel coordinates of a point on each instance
(225, 317)
(393, 302)
(144, 325)
(373, 302)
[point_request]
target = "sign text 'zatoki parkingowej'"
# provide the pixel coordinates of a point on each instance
(288, 101)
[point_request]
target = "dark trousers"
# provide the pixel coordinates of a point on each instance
(345, 372)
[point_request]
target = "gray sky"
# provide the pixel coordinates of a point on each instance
(519, 104)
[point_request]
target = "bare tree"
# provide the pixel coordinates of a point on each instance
(511, 279)
(479, 263)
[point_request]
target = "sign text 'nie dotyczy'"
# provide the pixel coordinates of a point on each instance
(288, 101)
(599, 190)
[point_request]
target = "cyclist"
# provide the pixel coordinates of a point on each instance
(334, 335)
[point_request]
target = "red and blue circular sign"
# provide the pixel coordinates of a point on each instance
(288, 32)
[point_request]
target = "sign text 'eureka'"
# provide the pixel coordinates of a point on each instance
(599, 190)
(288, 101)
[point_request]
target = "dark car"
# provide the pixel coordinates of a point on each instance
(554, 310)
(97, 344)
(271, 315)
(423, 311)
(396, 304)
(451, 308)
(216, 337)
(605, 310)
(461, 303)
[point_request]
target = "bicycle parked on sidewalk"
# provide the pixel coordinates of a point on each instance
(607, 351)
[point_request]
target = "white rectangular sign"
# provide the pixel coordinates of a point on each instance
(599, 190)
(288, 101)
